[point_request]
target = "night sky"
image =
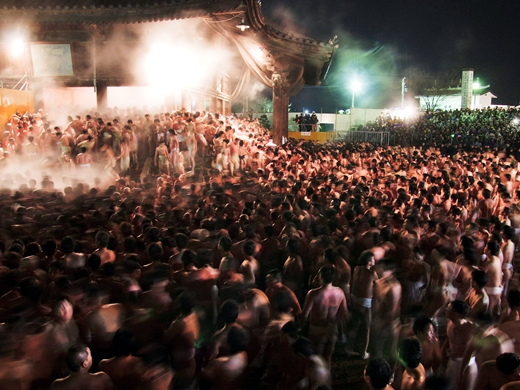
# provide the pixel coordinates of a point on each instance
(381, 41)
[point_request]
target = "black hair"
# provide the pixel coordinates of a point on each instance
(283, 301)
(94, 261)
(249, 248)
(293, 245)
(229, 311)
(327, 273)
(507, 363)
(155, 252)
(460, 307)
(494, 248)
(365, 258)
(379, 372)
(49, 247)
(436, 382)
(67, 244)
(102, 239)
(479, 277)
(154, 234)
(410, 352)
(75, 357)
(225, 243)
(188, 257)
(420, 324)
(186, 302)
(291, 329)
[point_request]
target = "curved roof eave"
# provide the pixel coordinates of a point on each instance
(110, 11)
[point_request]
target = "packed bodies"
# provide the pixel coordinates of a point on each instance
(253, 264)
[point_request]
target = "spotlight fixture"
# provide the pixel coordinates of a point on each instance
(243, 26)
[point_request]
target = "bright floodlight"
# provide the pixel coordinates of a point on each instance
(163, 69)
(515, 121)
(476, 85)
(17, 46)
(355, 85)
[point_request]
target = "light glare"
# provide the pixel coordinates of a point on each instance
(17, 46)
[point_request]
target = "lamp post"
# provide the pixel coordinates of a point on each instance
(355, 86)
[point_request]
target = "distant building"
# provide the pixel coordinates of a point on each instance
(451, 99)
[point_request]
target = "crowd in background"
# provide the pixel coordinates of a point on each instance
(486, 127)
(218, 260)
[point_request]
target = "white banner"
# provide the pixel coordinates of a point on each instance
(50, 60)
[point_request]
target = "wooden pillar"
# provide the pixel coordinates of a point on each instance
(280, 112)
(39, 100)
(186, 100)
(199, 105)
(212, 105)
(227, 107)
(101, 96)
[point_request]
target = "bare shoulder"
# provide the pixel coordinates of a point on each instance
(487, 367)
(339, 292)
(511, 386)
(59, 384)
(101, 379)
(314, 293)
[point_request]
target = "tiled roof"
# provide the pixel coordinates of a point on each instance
(111, 11)
(316, 55)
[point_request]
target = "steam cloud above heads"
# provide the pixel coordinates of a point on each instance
(163, 57)
(181, 54)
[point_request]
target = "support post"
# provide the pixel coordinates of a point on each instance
(280, 111)
(101, 96)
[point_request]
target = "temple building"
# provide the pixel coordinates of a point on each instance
(54, 47)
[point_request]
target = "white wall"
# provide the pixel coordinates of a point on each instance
(342, 122)
(454, 102)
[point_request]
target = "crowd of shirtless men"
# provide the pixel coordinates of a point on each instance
(261, 270)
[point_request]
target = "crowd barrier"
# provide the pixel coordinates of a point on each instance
(373, 137)
(383, 138)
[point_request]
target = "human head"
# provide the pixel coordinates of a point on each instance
(64, 309)
(423, 328)
(186, 302)
(366, 259)
(67, 244)
(249, 248)
(154, 252)
(102, 239)
(225, 243)
(283, 301)
(78, 357)
(410, 352)
(436, 382)
(457, 309)
(378, 373)
(479, 278)
(327, 274)
(508, 364)
(229, 311)
(493, 248)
